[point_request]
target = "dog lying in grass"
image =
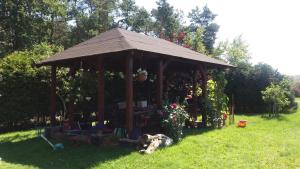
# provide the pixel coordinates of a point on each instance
(148, 143)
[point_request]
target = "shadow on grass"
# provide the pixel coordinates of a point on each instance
(197, 131)
(27, 151)
(291, 111)
(37, 153)
(278, 117)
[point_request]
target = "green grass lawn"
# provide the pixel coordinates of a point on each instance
(264, 143)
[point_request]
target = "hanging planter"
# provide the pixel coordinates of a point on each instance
(142, 75)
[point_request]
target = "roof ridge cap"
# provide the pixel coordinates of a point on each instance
(121, 31)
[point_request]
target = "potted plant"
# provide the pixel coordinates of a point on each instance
(142, 75)
(141, 101)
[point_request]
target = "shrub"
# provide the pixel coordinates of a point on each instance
(174, 117)
(24, 88)
(276, 96)
(296, 89)
(217, 100)
(246, 83)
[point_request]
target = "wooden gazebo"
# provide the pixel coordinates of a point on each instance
(119, 49)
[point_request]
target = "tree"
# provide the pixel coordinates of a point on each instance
(201, 18)
(91, 17)
(25, 23)
(195, 40)
(246, 82)
(204, 18)
(133, 18)
(235, 52)
(127, 11)
(142, 21)
(166, 19)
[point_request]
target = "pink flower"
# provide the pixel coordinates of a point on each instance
(173, 105)
(189, 97)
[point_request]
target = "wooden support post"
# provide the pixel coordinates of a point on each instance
(195, 97)
(71, 104)
(129, 92)
(204, 79)
(232, 109)
(53, 95)
(101, 91)
(166, 92)
(159, 92)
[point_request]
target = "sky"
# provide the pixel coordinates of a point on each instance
(271, 28)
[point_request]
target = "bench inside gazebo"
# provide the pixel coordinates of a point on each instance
(125, 51)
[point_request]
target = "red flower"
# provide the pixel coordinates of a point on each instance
(173, 105)
(225, 116)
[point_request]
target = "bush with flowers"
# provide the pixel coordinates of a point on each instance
(174, 117)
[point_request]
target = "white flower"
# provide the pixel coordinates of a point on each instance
(121, 75)
(141, 71)
(88, 98)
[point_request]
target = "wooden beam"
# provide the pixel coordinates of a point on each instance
(159, 87)
(129, 92)
(204, 79)
(53, 95)
(101, 91)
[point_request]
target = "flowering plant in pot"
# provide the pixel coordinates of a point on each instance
(142, 75)
(174, 117)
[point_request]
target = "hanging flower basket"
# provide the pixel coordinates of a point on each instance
(142, 75)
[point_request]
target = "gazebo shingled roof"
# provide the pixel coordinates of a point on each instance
(118, 40)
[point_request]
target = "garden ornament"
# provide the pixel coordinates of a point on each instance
(242, 123)
(57, 146)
